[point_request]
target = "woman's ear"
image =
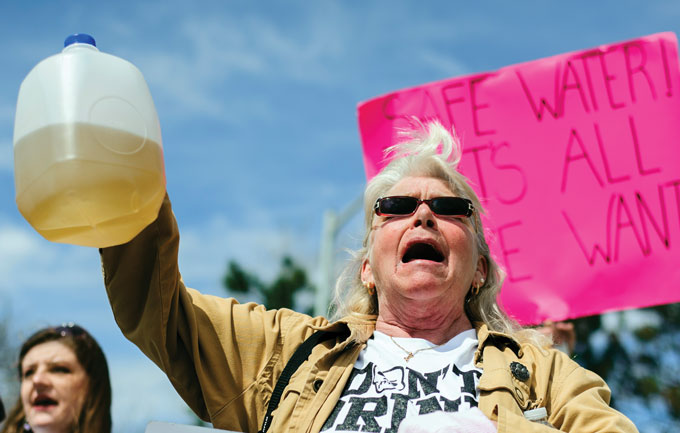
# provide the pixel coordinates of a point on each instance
(366, 272)
(482, 269)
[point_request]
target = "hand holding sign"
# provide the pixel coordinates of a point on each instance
(576, 159)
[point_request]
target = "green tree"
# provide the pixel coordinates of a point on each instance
(639, 361)
(283, 292)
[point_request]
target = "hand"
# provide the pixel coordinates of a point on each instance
(467, 421)
(562, 333)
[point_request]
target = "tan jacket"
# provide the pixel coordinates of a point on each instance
(224, 358)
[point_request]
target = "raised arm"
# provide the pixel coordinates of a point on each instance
(190, 336)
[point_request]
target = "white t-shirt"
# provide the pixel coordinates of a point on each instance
(384, 388)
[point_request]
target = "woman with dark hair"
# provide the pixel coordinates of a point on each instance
(65, 385)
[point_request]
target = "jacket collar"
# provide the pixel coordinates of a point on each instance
(494, 338)
(358, 327)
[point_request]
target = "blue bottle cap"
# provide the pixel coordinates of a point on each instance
(79, 38)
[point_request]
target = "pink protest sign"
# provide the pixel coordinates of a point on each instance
(577, 160)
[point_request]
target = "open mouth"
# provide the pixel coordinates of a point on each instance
(44, 402)
(422, 251)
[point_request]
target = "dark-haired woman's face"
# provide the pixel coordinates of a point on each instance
(53, 387)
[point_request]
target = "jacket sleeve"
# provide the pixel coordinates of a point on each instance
(580, 402)
(190, 336)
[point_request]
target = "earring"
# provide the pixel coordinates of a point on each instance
(370, 287)
(474, 291)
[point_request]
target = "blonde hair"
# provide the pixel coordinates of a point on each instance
(428, 150)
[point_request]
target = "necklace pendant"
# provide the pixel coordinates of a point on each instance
(409, 356)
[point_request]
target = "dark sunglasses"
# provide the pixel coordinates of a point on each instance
(405, 206)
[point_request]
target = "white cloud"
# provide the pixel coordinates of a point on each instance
(214, 49)
(190, 80)
(30, 263)
(33, 267)
(224, 44)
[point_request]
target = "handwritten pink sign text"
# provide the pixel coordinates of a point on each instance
(577, 160)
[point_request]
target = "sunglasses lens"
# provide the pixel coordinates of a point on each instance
(451, 206)
(397, 205)
(403, 205)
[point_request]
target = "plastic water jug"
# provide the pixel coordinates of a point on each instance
(88, 156)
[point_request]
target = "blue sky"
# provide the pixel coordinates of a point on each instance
(257, 104)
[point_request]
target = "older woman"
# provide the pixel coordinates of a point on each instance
(65, 384)
(418, 338)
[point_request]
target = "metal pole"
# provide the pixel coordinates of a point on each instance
(332, 224)
(325, 263)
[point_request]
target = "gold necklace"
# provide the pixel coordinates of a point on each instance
(409, 354)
